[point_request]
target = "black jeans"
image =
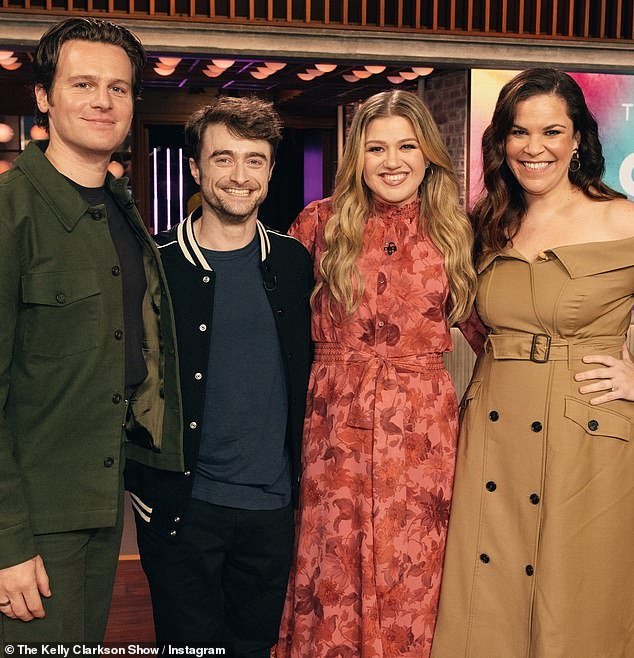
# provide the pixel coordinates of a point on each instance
(222, 583)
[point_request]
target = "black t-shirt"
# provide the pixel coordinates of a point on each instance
(134, 284)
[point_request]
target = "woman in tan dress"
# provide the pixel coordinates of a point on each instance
(540, 555)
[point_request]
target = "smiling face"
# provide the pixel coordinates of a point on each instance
(90, 102)
(233, 174)
(393, 163)
(540, 145)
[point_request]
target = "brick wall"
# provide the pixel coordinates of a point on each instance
(446, 95)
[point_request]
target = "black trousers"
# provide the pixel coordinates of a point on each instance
(222, 583)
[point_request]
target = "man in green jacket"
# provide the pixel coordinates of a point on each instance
(87, 349)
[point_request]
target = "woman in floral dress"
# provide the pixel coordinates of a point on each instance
(392, 253)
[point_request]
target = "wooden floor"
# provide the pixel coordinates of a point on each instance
(131, 612)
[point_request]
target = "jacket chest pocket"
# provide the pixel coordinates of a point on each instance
(60, 313)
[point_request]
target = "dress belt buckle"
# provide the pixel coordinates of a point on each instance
(535, 346)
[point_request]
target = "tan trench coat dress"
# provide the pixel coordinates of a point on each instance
(540, 553)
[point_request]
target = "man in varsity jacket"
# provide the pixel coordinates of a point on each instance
(216, 540)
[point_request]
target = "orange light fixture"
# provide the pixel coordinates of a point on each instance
(326, 68)
(163, 71)
(5, 54)
(350, 78)
(38, 132)
(224, 63)
(171, 62)
(116, 169)
(375, 68)
(258, 75)
(275, 66)
(11, 67)
(395, 79)
(362, 74)
(408, 75)
(6, 133)
(306, 76)
(422, 70)
(212, 74)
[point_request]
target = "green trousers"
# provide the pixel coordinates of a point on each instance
(81, 566)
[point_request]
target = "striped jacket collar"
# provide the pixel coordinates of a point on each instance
(192, 251)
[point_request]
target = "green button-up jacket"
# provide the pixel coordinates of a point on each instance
(62, 407)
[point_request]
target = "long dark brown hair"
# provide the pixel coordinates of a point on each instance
(497, 216)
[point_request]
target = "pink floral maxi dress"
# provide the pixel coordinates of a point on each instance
(378, 455)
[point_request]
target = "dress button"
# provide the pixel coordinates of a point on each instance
(536, 426)
(381, 323)
(484, 558)
(193, 425)
(529, 570)
(534, 498)
(593, 425)
(198, 376)
(491, 486)
(381, 282)
(116, 270)
(494, 415)
(116, 398)
(118, 334)
(60, 298)
(108, 462)
(206, 279)
(202, 327)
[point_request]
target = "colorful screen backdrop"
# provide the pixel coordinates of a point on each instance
(610, 98)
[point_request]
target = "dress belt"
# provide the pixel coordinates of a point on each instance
(541, 348)
(378, 370)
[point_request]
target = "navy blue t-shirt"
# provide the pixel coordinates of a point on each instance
(243, 462)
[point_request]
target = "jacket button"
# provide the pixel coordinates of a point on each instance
(290, 355)
(494, 415)
(173, 533)
(206, 279)
(118, 334)
(280, 312)
(491, 486)
(198, 376)
(116, 398)
(484, 558)
(193, 425)
(116, 270)
(96, 214)
(171, 351)
(529, 570)
(536, 426)
(534, 498)
(187, 473)
(177, 519)
(108, 462)
(60, 298)
(593, 425)
(202, 327)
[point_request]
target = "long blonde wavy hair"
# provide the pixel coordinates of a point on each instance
(440, 213)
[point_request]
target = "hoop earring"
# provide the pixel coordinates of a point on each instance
(575, 163)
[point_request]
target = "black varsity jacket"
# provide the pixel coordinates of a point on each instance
(160, 497)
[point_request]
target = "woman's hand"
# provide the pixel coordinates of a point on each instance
(616, 378)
